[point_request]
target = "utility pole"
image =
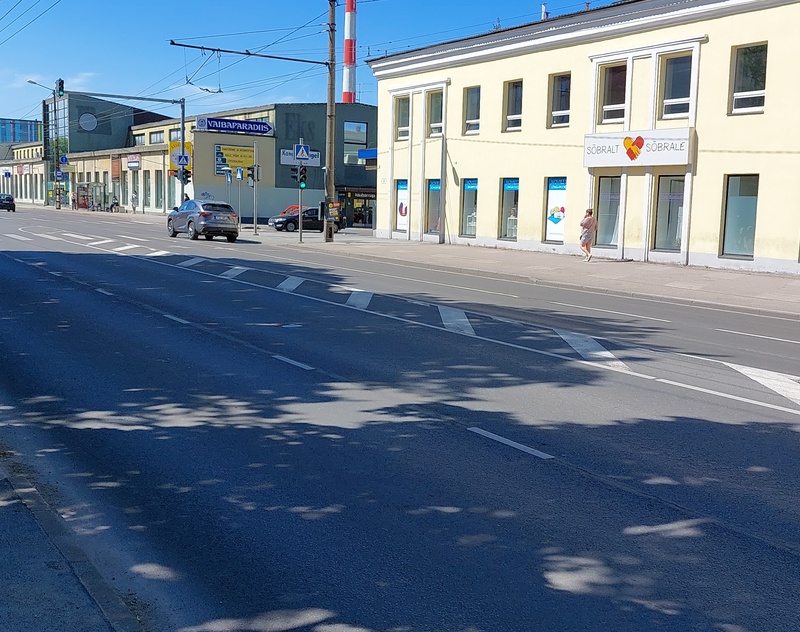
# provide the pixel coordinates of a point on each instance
(330, 130)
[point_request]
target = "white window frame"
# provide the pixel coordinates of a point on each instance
(665, 103)
(175, 134)
(554, 114)
(138, 140)
(750, 94)
(613, 107)
(403, 132)
(513, 121)
(154, 136)
(435, 128)
(472, 126)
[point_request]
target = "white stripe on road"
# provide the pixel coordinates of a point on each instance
(456, 320)
(742, 333)
(101, 242)
(590, 349)
(133, 238)
(786, 385)
(157, 253)
(19, 237)
(509, 442)
(191, 262)
(608, 311)
(50, 237)
(234, 272)
(293, 362)
(103, 292)
(176, 319)
(83, 237)
(123, 248)
(359, 299)
(290, 284)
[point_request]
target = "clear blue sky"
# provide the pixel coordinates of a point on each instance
(119, 47)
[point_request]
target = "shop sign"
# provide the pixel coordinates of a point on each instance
(556, 209)
(206, 124)
(134, 161)
(639, 149)
(402, 205)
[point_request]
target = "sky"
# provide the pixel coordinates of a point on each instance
(123, 48)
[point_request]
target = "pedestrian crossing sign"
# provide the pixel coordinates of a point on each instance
(302, 152)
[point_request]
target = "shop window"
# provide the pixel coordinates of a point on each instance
(750, 79)
(677, 86)
(159, 189)
(472, 110)
(740, 216)
(435, 113)
(403, 117)
(469, 207)
(123, 180)
(509, 203)
(614, 82)
(355, 138)
(559, 107)
(513, 105)
(138, 139)
(134, 182)
(146, 196)
(156, 138)
(401, 198)
(669, 213)
(556, 209)
(608, 210)
(433, 206)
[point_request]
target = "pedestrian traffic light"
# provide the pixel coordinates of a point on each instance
(301, 176)
(187, 176)
(60, 87)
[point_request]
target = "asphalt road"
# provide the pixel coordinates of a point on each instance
(252, 437)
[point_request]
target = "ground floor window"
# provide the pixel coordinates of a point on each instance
(508, 208)
(134, 183)
(124, 184)
(469, 206)
(401, 198)
(608, 210)
(556, 209)
(740, 216)
(146, 197)
(171, 192)
(433, 206)
(159, 189)
(669, 213)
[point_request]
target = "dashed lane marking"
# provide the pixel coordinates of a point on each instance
(19, 237)
(608, 311)
(510, 443)
(191, 262)
(157, 253)
(81, 237)
(290, 284)
(50, 237)
(456, 320)
(359, 299)
(589, 349)
(124, 248)
(234, 272)
(132, 238)
(293, 362)
(101, 242)
(176, 319)
(742, 333)
(106, 292)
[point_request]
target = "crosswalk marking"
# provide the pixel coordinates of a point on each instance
(101, 242)
(123, 248)
(50, 237)
(456, 320)
(359, 299)
(83, 237)
(290, 284)
(18, 237)
(786, 385)
(234, 272)
(157, 253)
(191, 262)
(589, 349)
(132, 238)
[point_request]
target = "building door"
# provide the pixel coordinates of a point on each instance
(608, 210)
(669, 213)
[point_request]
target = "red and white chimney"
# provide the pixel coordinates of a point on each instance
(349, 74)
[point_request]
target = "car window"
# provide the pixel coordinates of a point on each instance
(310, 213)
(5, 197)
(218, 208)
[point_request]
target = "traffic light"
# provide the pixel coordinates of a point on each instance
(60, 87)
(187, 176)
(302, 174)
(251, 175)
(296, 174)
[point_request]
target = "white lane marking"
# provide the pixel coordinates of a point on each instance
(736, 398)
(456, 320)
(97, 289)
(590, 349)
(83, 237)
(101, 242)
(781, 383)
(234, 272)
(50, 237)
(509, 442)
(608, 311)
(133, 238)
(128, 247)
(293, 362)
(19, 237)
(191, 262)
(359, 299)
(742, 333)
(176, 319)
(157, 253)
(290, 284)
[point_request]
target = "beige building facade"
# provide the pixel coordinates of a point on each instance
(673, 120)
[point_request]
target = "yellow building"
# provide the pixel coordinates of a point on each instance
(674, 121)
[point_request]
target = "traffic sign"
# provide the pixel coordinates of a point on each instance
(59, 175)
(228, 177)
(239, 173)
(182, 160)
(63, 160)
(313, 160)
(302, 152)
(175, 152)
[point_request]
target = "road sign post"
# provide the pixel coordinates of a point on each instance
(300, 154)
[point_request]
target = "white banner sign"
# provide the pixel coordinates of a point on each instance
(638, 149)
(402, 204)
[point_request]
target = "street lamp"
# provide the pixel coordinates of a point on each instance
(228, 177)
(57, 159)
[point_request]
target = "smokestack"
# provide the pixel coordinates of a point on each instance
(349, 74)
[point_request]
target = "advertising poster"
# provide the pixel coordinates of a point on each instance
(232, 156)
(402, 205)
(556, 209)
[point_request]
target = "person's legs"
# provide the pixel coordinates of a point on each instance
(584, 251)
(588, 251)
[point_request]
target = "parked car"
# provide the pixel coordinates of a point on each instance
(204, 217)
(311, 221)
(7, 202)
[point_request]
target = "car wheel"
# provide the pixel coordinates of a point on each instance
(171, 228)
(335, 227)
(192, 231)
(231, 238)
(290, 227)
(208, 237)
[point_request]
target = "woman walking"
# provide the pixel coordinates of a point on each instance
(588, 228)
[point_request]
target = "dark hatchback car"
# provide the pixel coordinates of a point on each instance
(311, 221)
(204, 217)
(7, 202)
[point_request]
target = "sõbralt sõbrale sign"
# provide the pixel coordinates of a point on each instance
(639, 148)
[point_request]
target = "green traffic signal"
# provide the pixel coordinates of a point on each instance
(60, 87)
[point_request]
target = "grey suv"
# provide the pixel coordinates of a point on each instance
(204, 217)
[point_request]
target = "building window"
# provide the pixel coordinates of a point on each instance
(513, 105)
(175, 134)
(435, 113)
(472, 110)
(171, 192)
(509, 202)
(124, 186)
(403, 127)
(433, 206)
(750, 79)
(134, 183)
(146, 196)
(559, 113)
(401, 198)
(669, 213)
(156, 138)
(677, 86)
(608, 210)
(556, 209)
(469, 206)
(355, 138)
(159, 189)
(740, 216)
(614, 80)
(138, 139)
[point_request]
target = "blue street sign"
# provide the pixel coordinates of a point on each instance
(302, 152)
(64, 160)
(239, 173)
(228, 177)
(183, 160)
(59, 175)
